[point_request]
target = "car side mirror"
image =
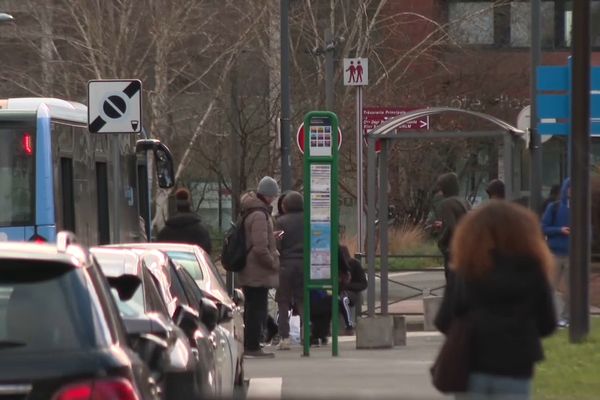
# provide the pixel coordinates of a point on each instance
(225, 313)
(187, 319)
(163, 160)
(210, 314)
(238, 297)
(126, 285)
(148, 337)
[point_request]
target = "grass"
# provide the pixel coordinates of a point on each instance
(570, 371)
(407, 240)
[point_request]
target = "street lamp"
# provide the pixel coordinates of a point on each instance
(4, 17)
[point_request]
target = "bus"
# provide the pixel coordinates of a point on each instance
(55, 175)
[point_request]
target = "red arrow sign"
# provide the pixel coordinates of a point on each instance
(300, 138)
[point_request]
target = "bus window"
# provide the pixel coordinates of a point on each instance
(68, 200)
(103, 211)
(17, 176)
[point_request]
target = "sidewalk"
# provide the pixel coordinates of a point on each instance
(398, 373)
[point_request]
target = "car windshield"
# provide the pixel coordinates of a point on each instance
(48, 308)
(188, 261)
(17, 172)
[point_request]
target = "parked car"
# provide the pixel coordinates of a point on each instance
(180, 372)
(61, 336)
(203, 271)
(171, 277)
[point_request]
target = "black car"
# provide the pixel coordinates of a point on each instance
(181, 373)
(61, 336)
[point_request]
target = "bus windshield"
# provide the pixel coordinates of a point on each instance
(17, 173)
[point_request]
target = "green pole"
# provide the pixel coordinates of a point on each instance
(321, 216)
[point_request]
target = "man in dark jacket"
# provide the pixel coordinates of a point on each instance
(291, 262)
(556, 226)
(495, 189)
(185, 226)
(451, 209)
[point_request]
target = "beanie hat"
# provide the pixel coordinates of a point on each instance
(268, 187)
(183, 199)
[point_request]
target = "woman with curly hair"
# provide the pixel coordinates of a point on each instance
(503, 274)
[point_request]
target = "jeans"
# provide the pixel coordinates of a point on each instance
(562, 302)
(255, 316)
(496, 387)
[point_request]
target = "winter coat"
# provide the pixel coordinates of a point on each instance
(262, 261)
(292, 224)
(358, 278)
(291, 249)
(555, 218)
(185, 227)
(451, 209)
(510, 309)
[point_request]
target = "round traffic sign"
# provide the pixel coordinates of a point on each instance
(300, 138)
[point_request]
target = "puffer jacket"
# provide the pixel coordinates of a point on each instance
(262, 261)
(557, 216)
(451, 208)
(292, 224)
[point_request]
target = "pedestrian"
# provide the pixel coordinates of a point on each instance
(556, 226)
(495, 189)
(290, 293)
(261, 271)
(351, 289)
(451, 209)
(185, 226)
(553, 196)
(502, 288)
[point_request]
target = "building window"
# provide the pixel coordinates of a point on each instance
(475, 22)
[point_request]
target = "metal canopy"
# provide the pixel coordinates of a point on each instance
(387, 127)
(386, 133)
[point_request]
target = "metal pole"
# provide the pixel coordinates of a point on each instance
(234, 162)
(508, 161)
(535, 143)
(149, 174)
(359, 172)
(371, 226)
(286, 159)
(383, 225)
(329, 50)
(580, 161)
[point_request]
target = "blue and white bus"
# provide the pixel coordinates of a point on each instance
(55, 175)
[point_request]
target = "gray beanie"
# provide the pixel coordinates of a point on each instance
(268, 187)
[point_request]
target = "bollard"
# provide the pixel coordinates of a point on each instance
(399, 330)
(431, 305)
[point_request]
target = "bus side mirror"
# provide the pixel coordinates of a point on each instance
(163, 160)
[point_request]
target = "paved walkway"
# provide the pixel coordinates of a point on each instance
(398, 373)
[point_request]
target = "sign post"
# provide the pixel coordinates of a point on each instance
(321, 217)
(356, 73)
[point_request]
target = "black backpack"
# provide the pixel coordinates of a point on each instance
(234, 252)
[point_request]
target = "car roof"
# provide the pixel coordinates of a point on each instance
(117, 262)
(165, 246)
(73, 254)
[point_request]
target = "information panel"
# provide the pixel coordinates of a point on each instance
(321, 140)
(320, 221)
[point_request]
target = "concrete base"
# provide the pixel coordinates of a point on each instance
(375, 332)
(431, 306)
(399, 330)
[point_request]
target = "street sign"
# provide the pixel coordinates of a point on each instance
(374, 116)
(356, 71)
(115, 106)
(322, 140)
(554, 100)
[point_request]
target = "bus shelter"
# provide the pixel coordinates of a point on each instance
(386, 132)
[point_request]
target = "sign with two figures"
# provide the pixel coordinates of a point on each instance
(356, 71)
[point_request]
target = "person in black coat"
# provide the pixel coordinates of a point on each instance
(503, 269)
(185, 226)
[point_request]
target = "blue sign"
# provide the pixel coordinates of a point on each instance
(554, 100)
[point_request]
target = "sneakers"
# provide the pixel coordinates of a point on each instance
(563, 323)
(284, 344)
(258, 354)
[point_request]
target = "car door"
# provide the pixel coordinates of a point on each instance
(224, 354)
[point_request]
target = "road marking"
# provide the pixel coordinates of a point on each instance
(265, 388)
